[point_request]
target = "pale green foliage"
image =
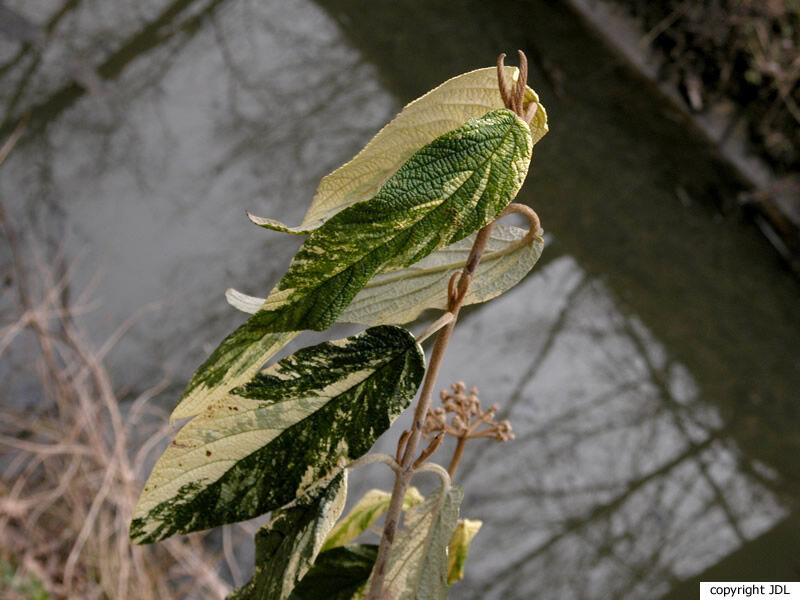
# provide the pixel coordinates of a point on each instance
(446, 107)
(298, 422)
(453, 186)
(458, 549)
(418, 561)
(439, 112)
(400, 295)
(366, 511)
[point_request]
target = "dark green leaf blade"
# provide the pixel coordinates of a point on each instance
(287, 546)
(269, 441)
(338, 574)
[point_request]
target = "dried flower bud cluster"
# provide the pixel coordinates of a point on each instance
(467, 416)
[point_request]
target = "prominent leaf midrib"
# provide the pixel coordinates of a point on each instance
(492, 260)
(489, 162)
(489, 140)
(425, 543)
(447, 107)
(266, 474)
(308, 280)
(344, 396)
(479, 168)
(489, 256)
(484, 142)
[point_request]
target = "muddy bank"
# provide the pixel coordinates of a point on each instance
(732, 68)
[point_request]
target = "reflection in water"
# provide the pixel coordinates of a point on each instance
(621, 481)
(620, 478)
(153, 178)
(154, 126)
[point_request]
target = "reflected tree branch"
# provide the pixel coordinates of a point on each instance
(163, 28)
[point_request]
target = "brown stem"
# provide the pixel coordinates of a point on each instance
(404, 474)
(514, 100)
(462, 442)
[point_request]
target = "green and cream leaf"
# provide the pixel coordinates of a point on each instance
(400, 295)
(288, 545)
(450, 188)
(417, 567)
(235, 362)
(458, 549)
(446, 107)
(366, 511)
(269, 441)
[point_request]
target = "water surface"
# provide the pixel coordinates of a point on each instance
(648, 364)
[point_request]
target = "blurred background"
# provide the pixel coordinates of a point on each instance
(649, 364)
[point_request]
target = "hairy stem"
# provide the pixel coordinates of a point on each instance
(459, 451)
(513, 100)
(406, 471)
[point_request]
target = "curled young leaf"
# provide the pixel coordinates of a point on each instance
(458, 549)
(417, 565)
(269, 441)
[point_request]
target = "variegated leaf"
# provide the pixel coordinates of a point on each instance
(338, 574)
(366, 511)
(458, 549)
(453, 186)
(417, 567)
(265, 443)
(400, 295)
(235, 361)
(446, 107)
(288, 545)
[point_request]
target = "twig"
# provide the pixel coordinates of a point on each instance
(369, 459)
(459, 452)
(457, 291)
(443, 476)
(403, 478)
(12, 140)
(662, 26)
(432, 447)
(435, 326)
